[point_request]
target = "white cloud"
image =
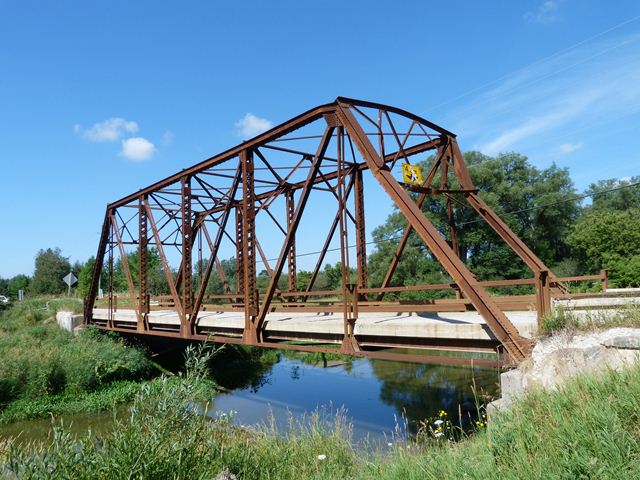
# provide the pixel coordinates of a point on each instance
(137, 149)
(570, 147)
(168, 137)
(250, 125)
(545, 14)
(109, 130)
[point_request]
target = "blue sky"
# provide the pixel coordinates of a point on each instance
(98, 99)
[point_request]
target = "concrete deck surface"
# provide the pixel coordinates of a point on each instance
(445, 325)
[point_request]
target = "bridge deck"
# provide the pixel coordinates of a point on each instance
(328, 327)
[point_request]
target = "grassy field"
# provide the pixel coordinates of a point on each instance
(47, 369)
(587, 429)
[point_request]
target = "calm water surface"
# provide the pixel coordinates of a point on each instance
(375, 395)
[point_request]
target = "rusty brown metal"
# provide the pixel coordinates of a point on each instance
(249, 249)
(143, 267)
(290, 205)
(175, 213)
(517, 346)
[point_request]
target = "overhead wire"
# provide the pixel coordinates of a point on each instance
(392, 237)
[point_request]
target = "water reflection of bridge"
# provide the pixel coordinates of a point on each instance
(309, 175)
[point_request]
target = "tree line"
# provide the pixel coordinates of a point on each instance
(572, 233)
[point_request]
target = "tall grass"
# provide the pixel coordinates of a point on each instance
(40, 361)
(586, 429)
(562, 319)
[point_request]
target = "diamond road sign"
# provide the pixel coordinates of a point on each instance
(70, 279)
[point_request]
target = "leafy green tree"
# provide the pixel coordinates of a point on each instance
(609, 239)
(614, 194)
(85, 275)
(50, 269)
(303, 278)
(538, 205)
(17, 283)
(156, 279)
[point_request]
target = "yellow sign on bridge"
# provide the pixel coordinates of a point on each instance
(412, 174)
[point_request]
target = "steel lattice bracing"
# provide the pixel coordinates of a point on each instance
(252, 201)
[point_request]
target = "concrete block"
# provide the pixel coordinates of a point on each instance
(69, 320)
(511, 383)
(497, 406)
(623, 341)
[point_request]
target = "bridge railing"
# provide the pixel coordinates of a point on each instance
(332, 300)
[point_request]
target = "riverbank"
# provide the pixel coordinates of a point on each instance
(46, 370)
(587, 428)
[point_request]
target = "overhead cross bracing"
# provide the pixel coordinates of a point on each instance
(254, 201)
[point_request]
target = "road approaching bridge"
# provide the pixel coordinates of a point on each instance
(253, 201)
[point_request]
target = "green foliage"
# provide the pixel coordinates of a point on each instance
(40, 359)
(585, 429)
(84, 277)
(17, 283)
(609, 239)
(50, 268)
(67, 402)
(516, 190)
(619, 199)
(565, 320)
(303, 278)
(157, 281)
(165, 437)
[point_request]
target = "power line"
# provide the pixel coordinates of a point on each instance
(537, 62)
(559, 202)
(537, 207)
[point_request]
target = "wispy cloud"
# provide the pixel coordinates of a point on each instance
(168, 137)
(546, 13)
(580, 89)
(137, 149)
(250, 125)
(109, 130)
(570, 147)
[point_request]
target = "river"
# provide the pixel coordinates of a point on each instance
(377, 397)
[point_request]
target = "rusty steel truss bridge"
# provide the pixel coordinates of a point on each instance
(308, 175)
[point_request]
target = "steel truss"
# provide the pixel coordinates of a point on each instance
(270, 178)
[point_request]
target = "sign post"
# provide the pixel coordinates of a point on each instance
(70, 279)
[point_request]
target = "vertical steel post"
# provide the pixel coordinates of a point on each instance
(604, 275)
(349, 295)
(143, 266)
(543, 295)
(187, 247)
(361, 239)
(250, 334)
(239, 251)
(110, 270)
(291, 254)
